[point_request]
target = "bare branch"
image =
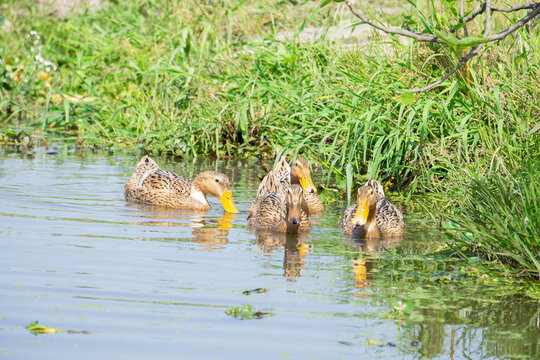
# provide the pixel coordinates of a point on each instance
(473, 52)
(420, 36)
(488, 18)
(505, 10)
(461, 13)
(516, 25)
(516, 8)
(435, 39)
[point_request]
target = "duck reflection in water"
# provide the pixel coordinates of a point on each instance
(364, 263)
(211, 232)
(295, 250)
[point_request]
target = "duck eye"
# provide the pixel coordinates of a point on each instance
(217, 180)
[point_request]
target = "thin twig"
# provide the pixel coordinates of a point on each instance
(515, 26)
(420, 36)
(432, 38)
(473, 52)
(505, 10)
(461, 13)
(488, 18)
(467, 74)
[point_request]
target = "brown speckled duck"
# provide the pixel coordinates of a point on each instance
(278, 208)
(150, 184)
(301, 175)
(373, 215)
(277, 183)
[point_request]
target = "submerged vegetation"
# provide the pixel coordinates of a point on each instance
(216, 78)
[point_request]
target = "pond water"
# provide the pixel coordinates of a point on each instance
(122, 280)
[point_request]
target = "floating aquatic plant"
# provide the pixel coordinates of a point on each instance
(36, 329)
(247, 312)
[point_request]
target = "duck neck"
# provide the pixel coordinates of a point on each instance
(198, 192)
(292, 228)
(372, 229)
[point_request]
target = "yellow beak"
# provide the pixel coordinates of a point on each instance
(307, 184)
(227, 202)
(361, 215)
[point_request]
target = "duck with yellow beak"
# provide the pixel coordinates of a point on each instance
(153, 185)
(373, 215)
(279, 210)
(301, 175)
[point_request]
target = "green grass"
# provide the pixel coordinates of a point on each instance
(213, 78)
(499, 218)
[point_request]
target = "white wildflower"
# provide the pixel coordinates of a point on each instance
(34, 38)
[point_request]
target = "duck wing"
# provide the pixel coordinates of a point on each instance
(346, 221)
(145, 165)
(162, 187)
(270, 184)
(315, 205)
(389, 219)
(269, 213)
(283, 173)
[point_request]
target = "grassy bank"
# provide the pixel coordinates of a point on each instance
(219, 78)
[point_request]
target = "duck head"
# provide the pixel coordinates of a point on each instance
(366, 207)
(216, 183)
(300, 174)
(377, 186)
(295, 204)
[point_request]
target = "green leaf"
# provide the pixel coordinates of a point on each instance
(450, 39)
(472, 41)
(406, 98)
(458, 27)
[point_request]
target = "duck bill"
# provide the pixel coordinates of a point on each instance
(361, 215)
(227, 202)
(307, 184)
(295, 215)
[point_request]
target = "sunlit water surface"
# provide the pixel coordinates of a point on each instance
(151, 283)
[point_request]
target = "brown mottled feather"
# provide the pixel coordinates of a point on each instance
(346, 221)
(315, 205)
(269, 184)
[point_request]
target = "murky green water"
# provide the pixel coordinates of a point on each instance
(151, 283)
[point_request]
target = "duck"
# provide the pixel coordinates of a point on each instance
(278, 208)
(373, 215)
(277, 183)
(300, 174)
(151, 184)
